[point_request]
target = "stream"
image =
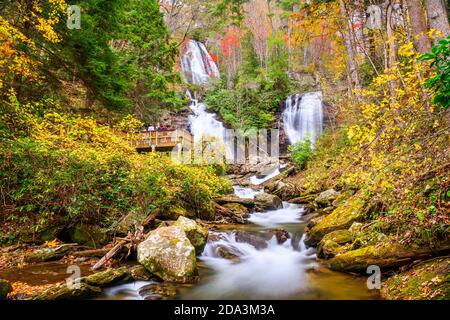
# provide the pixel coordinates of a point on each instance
(262, 270)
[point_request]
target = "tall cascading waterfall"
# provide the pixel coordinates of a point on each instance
(197, 65)
(303, 117)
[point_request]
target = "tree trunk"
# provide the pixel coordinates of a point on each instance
(351, 61)
(418, 25)
(437, 16)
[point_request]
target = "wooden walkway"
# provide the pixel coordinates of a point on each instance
(160, 140)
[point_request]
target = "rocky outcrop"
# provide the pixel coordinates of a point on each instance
(196, 234)
(341, 218)
(5, 289)
(265, 201)
(254, 240)
(168, 253)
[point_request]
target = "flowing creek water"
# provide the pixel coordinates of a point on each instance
(263, 269)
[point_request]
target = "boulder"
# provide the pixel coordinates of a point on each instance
(429, 280)
(281, 235)
(341, 218)
(387, 256)
(254, 240)
(326, 198)
(159, 291)
(5, 289)
(331, 244)
(196, 234)
(237, 209)
(168, 253)
(266, 201)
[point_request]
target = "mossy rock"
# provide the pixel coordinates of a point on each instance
(196, 234)
(47, 254)
(427, 281)
(109, 277)
(387, 256)
(63, 292)
(303, 199)
(88, 235)
(341, 218)
(5, 289)
(174, 212)
(140, 273)
(237, 209)
(326, 198)
(332, 243)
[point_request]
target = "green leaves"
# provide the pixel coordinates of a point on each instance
(440, 60)
(301, 152)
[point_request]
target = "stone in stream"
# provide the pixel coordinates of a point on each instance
(332, 243)
(256, 241)
(196, 234)
(266, 201)
(168, 253)
(5, 288)
(281, 235)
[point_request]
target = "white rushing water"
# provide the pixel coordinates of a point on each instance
(303, 117)
(259, 180)
(246, 193)
(197, 65)
(290, 213)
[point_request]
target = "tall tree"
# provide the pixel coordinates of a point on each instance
(418, 25)
(437, 16)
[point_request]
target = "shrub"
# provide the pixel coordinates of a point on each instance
(301, 152)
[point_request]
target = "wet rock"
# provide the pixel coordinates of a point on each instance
(107, 278)
(266, 201)
(326, 198)
(63, 292)
(168, 253)
(5, 288)
(331, 244)
(341, 218)
(196, 234)
(227, 252)
(159, 291)
(281, 235)
(140, 273)
(386, 256)
(254, 240)
(428, 280)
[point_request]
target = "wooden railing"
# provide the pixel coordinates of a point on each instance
(160, 139)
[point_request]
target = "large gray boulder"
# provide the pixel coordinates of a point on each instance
(196, 234)
(168, 253)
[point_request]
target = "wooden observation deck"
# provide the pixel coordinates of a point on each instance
(160, 140)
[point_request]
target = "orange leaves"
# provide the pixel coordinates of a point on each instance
(230, 42)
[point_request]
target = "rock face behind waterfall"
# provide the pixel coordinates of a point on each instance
(168, 253)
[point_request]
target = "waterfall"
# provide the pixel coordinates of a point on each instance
(303, 117)
(197, 65)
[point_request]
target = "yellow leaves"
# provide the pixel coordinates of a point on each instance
(52, 244)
